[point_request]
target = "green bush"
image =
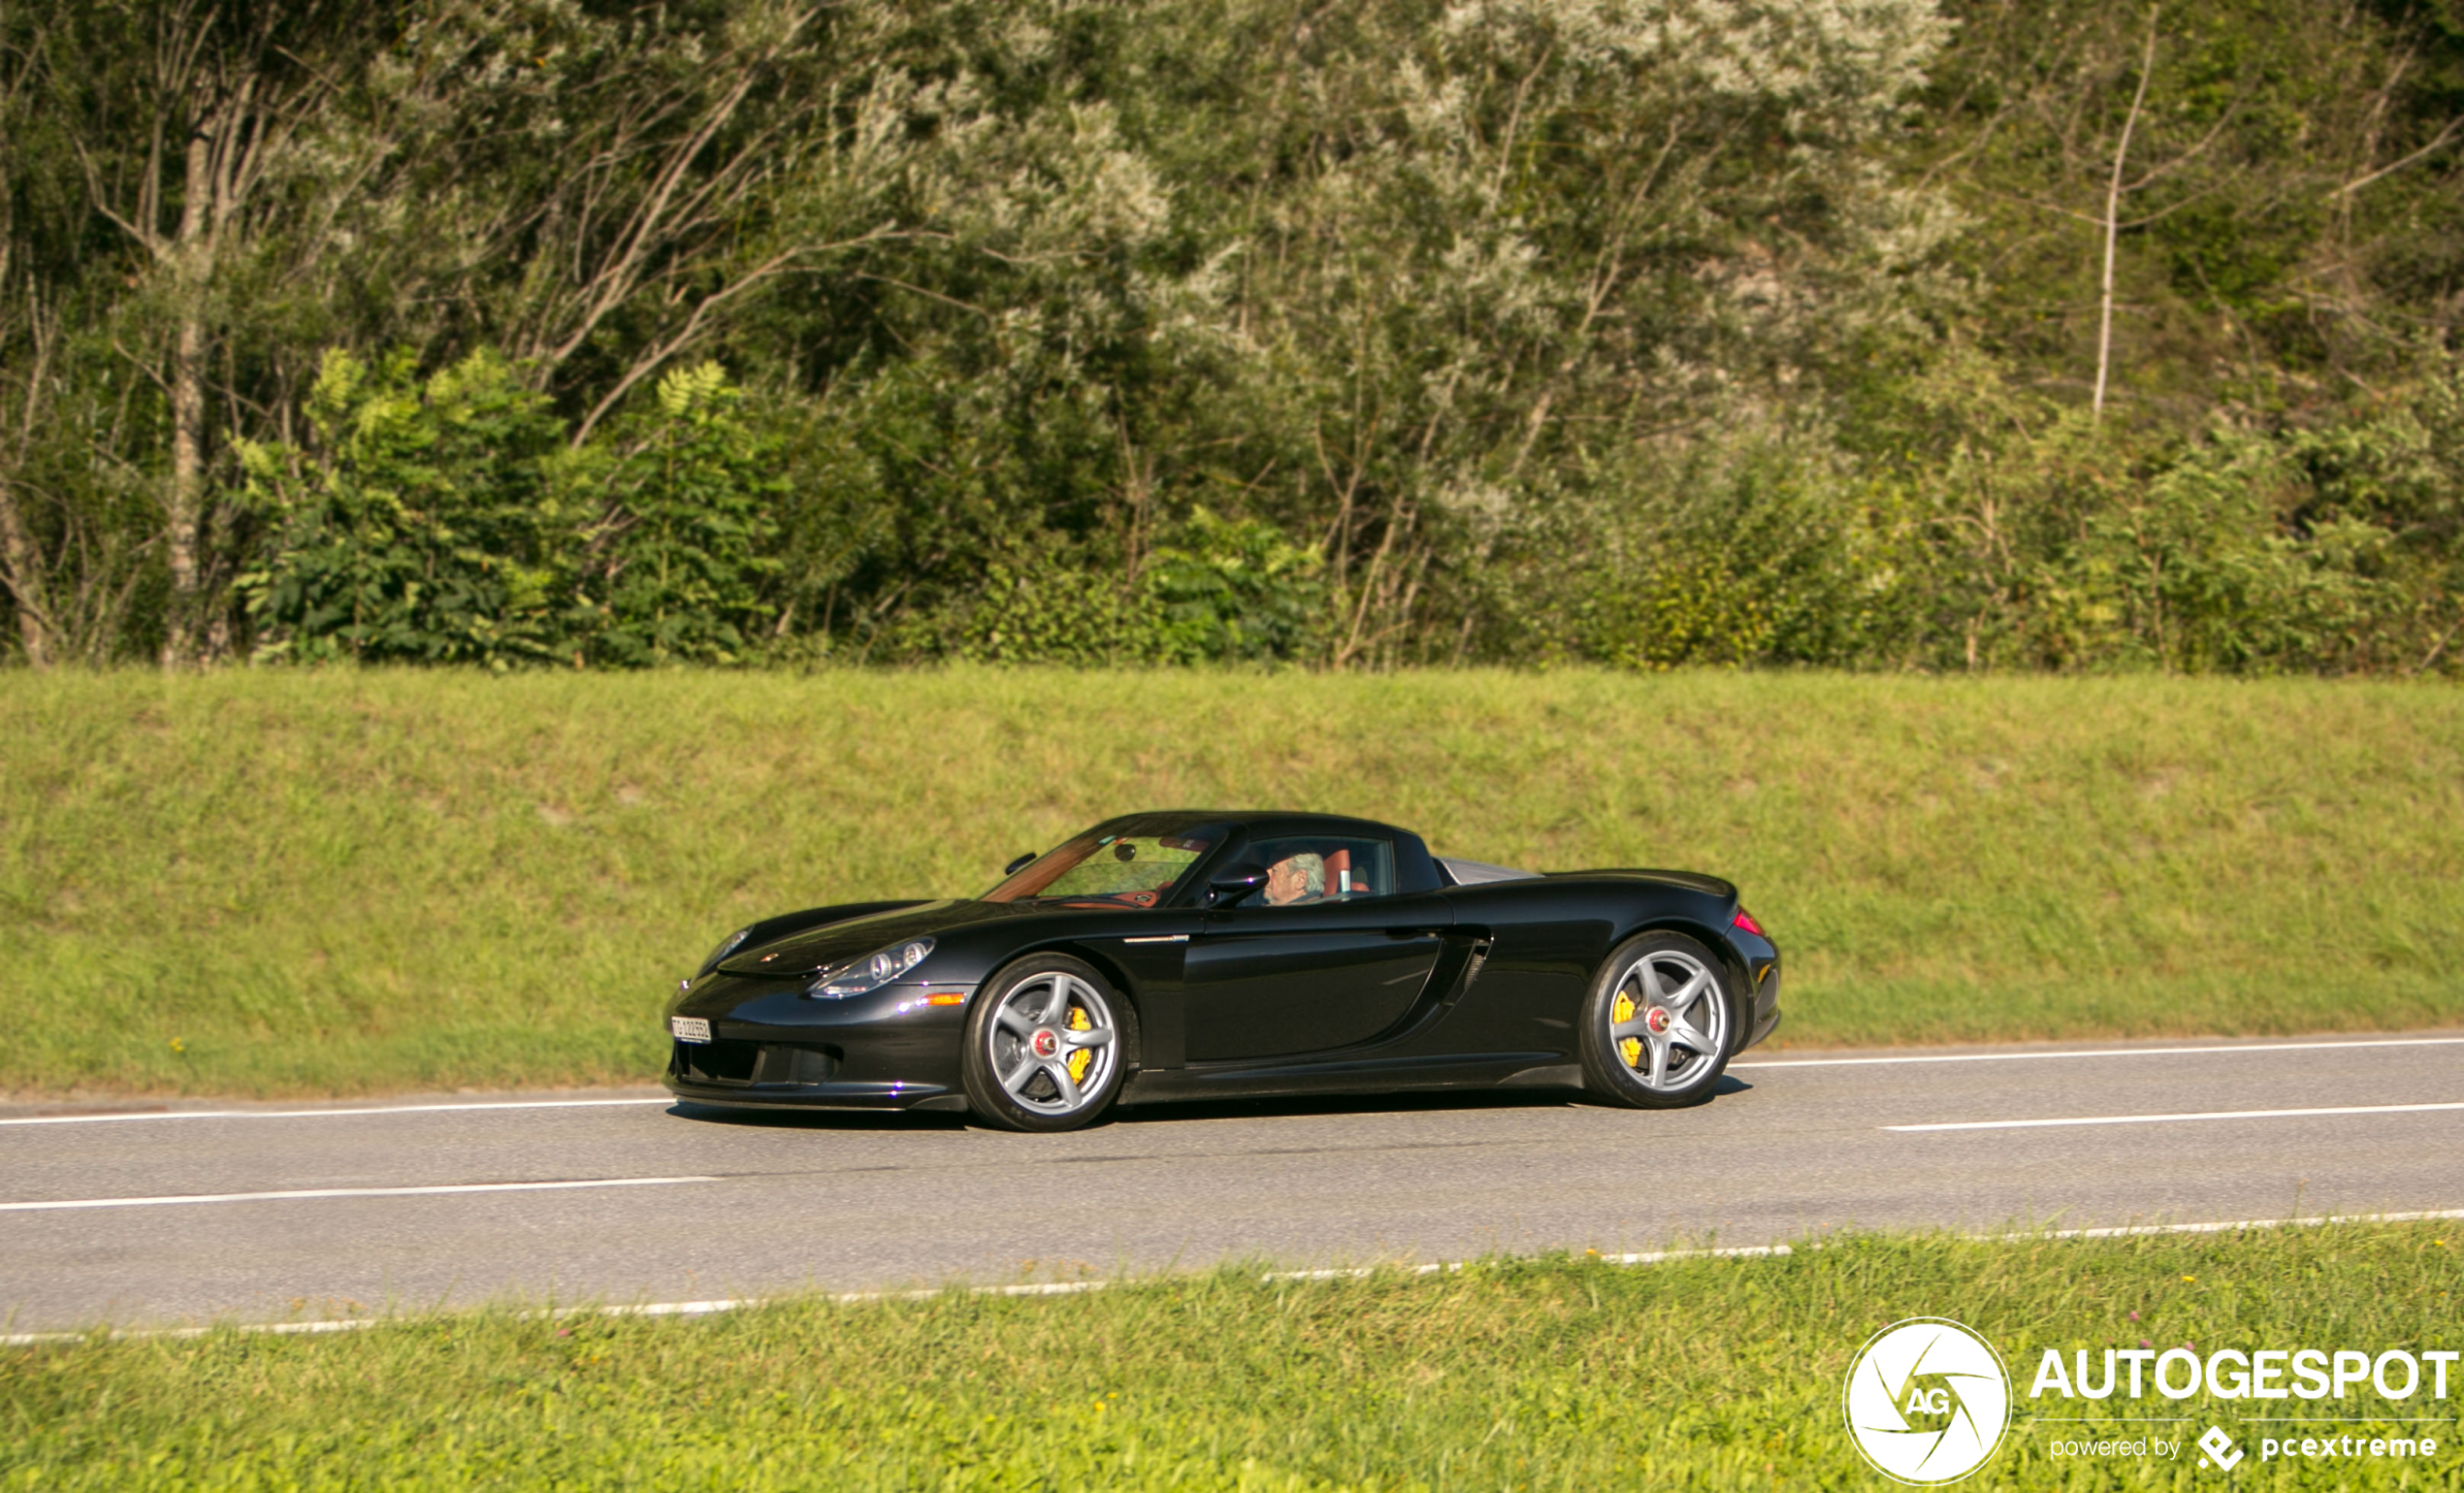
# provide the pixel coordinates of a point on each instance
(1223, 590)
(678, 552)
(447, 520)
(421, 525)
(1236, 589)
(1039, 606)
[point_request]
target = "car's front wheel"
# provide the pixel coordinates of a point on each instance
(1047, 1044)
(1659, 1024)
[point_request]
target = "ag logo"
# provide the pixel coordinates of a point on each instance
(1928, 1401)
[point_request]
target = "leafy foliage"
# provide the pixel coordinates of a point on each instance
(447, 520)
(424, 528)
(1236, 589)
(1884, 334)
(681, 544)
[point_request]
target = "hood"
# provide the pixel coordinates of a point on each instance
(835, 943)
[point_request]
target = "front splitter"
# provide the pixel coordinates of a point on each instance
(818, 1096)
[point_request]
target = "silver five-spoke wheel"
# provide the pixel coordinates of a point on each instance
(1659, 1023)
(1054, 1042)
(1667, 1018)
(1048, 1044)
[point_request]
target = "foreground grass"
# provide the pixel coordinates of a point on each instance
(1550, 1373)
(282, 883)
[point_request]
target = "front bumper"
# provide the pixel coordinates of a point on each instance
(772, 1046)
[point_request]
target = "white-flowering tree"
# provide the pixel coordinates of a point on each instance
(1511, 240)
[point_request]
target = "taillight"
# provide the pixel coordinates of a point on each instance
(1745, 920)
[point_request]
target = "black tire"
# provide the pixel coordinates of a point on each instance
(1681, 1023)
(1024, 1035)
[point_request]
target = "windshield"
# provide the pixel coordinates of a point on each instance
(1128, 870)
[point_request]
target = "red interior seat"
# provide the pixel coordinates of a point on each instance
(1337, 872)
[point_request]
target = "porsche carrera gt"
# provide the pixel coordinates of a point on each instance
(1200, 954)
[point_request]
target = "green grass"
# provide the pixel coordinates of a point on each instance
(1554, 1374)
(287, 883)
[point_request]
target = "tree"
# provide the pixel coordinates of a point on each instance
(626, 187)
(1545, 235)
(29, 339)
(2185, 194)
(194, 146)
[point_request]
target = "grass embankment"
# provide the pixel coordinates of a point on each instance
(1541, 1374)
(287, 883)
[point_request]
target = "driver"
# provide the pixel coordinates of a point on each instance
(1296, 879)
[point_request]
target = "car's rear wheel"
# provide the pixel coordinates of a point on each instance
(1047, 1041)
(1659, 1024)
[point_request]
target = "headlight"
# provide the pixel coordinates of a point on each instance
(873, 972)
(732, 942)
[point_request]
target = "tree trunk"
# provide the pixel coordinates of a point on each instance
(21, 571)
(22, 567)
(185, 502)
(2113, 225)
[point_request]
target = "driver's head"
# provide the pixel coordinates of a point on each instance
(1294, 877)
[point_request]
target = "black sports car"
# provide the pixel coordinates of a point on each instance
(1204, 955)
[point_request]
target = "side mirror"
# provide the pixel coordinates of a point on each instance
(1235, 880)
(1019, 864)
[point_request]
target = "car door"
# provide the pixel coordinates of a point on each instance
(1264, 981)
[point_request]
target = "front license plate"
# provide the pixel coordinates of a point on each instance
(690, 1029)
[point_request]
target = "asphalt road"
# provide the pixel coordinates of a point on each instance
(268, 1212)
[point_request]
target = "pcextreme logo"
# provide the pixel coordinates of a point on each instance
(1926, 1401)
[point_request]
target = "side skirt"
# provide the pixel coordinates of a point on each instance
(1367, 1076)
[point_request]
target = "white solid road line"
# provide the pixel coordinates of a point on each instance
(1646, 1257)
(371, 1109)
(324, 1192)
(2228, 1227)
(2112, 1052)
(2158, 1120)
(559, 1314)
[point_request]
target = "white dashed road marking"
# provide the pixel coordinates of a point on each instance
(2158, 1120)
(369, 1108)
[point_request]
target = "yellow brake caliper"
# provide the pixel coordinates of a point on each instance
(1081, 1059)
(1628, 1048)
